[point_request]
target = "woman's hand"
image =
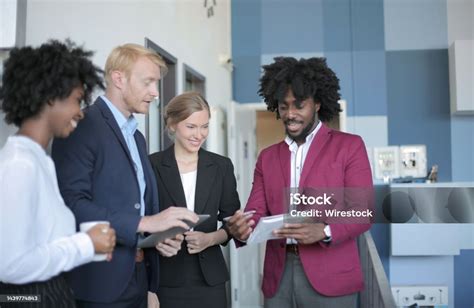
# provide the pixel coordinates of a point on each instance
(153, 301)
(170, 246)
(197, 241)
(103, 239)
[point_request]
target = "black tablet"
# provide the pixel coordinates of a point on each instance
(153, 239)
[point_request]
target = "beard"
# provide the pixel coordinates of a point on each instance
(301, 137)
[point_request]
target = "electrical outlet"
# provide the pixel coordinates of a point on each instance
(420, 295)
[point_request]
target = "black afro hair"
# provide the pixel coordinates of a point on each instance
(306, 78)
(34, 77)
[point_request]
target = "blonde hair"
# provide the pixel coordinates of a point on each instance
(123, 57)
(182, 106)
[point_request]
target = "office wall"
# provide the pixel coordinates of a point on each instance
(463, 273)
(461, 27)
(460, 15)
(392, 60)
(181, 27)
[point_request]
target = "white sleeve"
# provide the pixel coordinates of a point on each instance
(23, 260)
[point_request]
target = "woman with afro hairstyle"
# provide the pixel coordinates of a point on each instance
(312, 264)
(41, 94)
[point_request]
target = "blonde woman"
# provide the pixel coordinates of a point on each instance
(204, 182)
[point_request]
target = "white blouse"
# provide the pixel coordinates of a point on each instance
(188, 180)
(38, 238)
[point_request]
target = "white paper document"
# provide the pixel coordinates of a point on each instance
(264, 229)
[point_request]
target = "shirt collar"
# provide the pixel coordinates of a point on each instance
(293, 145)
(129, 125)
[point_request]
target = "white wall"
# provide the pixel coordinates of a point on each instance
(460, 20)
(5, 130)
(181, 27)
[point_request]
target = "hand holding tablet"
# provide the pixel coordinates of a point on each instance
(153, 239)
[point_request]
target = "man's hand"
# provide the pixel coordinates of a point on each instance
(169, 218)
(240, 226)
(197, 241)
(304, 233)
(170, 246)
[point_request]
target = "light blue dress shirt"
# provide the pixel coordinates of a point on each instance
(128, 128)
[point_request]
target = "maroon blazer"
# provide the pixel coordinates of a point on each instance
(335, 159)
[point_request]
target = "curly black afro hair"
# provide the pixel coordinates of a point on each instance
(34, 77)
(306, 78)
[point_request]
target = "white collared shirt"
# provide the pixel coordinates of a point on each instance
(298, 158)
(298, 155)
(38, 238)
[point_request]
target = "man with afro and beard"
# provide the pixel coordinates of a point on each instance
(314, 264)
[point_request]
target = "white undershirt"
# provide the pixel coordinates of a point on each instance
(188, 180)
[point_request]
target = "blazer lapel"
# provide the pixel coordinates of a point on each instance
(284, 154)
(109, 118)
(285, 162)
(319, 141)
(171, 178)
(206, 175)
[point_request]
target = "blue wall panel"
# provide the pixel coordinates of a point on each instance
(417, 24)
(418, 104)
(246, 51)
(341, 63)
(370, 90)
(337, 25)
(367, 25)
(292, 26)
(462, 137)
(246, 78)
(463, 279)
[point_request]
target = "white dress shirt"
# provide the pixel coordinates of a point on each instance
(298, 158)
(298, 155)
(38, 238)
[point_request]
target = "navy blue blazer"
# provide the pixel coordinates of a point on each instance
(97, 180)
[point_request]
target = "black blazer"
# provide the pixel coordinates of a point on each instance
(216, 195)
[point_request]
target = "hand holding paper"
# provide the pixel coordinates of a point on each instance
(303, 233)
(267, 226)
